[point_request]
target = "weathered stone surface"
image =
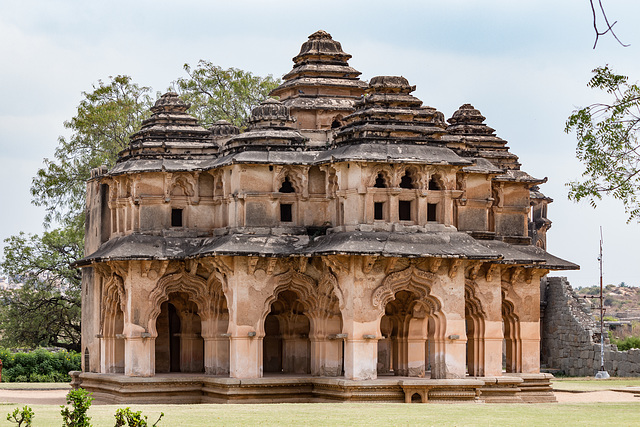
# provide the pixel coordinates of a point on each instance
(340, 235)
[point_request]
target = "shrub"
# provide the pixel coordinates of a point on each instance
(80, 400)
(626, 343)
(20, 416)
(126, 417)
(39, 365)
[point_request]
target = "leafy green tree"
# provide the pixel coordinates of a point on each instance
(99, 131)
(216, 93)
(45, 311)
(608, 147)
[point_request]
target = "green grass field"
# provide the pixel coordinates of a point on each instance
(356, 414)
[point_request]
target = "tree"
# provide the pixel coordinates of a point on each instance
(597, 28)
(100, 130)
(45, 311)
(607, 136)
(219, 94)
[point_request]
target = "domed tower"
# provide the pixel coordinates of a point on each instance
(479, 140)
(390, 114)
(321, 88)
(271, 127)
(170, 132)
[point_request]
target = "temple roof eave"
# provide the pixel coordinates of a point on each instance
(448, 245)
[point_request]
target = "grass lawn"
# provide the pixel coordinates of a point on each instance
(34, 386)
(321, 414)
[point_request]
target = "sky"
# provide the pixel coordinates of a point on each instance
(524, 65)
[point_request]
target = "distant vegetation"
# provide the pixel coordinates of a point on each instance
(38, 366)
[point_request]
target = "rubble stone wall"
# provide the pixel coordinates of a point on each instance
(571, 337)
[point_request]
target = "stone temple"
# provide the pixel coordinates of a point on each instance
(350, 244)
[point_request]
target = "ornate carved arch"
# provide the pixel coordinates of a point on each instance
(472, 302)
(412, 279)
(296, 177)
(185, 182)
(113, 298)
(385, 171)
(181, 281)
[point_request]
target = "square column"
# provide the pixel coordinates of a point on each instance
(140, 356)
(361, 350)
(245, 359)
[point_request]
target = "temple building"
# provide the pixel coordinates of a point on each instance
(350, 244)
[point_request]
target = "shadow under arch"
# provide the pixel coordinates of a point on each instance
(412, 324)
(196, 333)
(300, 323)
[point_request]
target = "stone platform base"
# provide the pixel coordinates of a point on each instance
(200, 388)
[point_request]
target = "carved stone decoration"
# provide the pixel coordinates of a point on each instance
(113, 298)
(412, 279)
(454, 264)
(338, 263)
(434, 264)
(368, 263)
(182, 281)
(473, 269)
(493, 270)
(252, 262)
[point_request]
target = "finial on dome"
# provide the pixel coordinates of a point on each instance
(467, 114)
(320, 34)
(170, 101)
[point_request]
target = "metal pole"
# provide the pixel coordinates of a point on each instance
(602, 374)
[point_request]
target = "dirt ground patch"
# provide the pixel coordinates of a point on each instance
(596, 396)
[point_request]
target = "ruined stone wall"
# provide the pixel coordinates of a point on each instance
(570, 335)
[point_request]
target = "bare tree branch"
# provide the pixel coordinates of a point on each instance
(608, 26)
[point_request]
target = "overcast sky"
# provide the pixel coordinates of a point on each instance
(524, 65)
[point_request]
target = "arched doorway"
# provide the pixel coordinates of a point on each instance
(404, 350)
(512, 344)
(474, 321)
(179, 346)
(113, 327)
(286, 344)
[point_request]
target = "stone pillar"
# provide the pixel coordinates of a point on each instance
(530, 333)
(493, 348)
(140, 355)
(245, 356)
(216, 355)
(326, 357)
(361, 350)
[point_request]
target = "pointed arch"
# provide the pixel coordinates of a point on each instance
(411, 278)
(194, 286)
(475, 330)
(512, 335)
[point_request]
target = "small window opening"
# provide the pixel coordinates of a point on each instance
(87, 358)
(406, 181)
(404, 210)
(416, 398)
(378, 209)
(380, 182)
(431, 212)
(433, 184)
(286, 212)
(336, 124)
(176, 217)
(286, 186)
